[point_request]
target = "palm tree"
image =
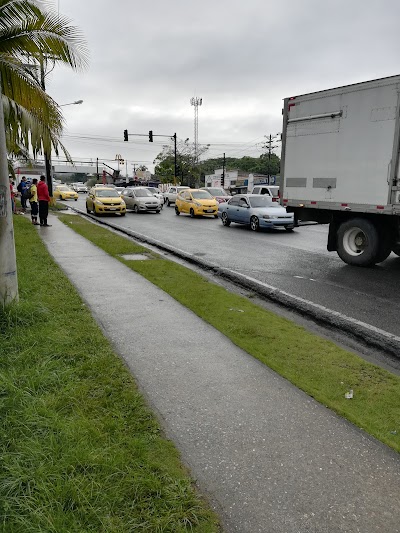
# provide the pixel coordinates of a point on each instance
(31, 36)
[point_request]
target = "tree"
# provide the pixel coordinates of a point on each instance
(188, 173)
(253, 165)
(31, 36)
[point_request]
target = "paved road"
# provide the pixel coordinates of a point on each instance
(296, 262)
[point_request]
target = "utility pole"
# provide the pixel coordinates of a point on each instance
(8, 262)
(47, 156)
(223, 172)
(175, 170)
(271, 139)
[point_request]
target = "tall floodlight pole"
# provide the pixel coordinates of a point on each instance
(8, 263)
(196, 102)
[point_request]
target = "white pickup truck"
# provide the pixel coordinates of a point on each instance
(172, 193)
(340, 166)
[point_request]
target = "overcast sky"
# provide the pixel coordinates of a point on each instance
(147, 59)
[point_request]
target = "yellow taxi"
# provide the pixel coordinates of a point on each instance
(105, 200)
(62, 192)
(196, 202)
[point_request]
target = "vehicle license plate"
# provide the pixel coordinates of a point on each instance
(112, 208)
(209, 210)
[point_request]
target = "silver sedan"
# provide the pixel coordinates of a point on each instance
(255, 211)
(140, 200)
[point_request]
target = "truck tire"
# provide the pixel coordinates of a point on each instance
(396, 249)
(358, 242)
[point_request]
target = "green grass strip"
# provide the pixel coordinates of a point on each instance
(79, 448)
(315, 365)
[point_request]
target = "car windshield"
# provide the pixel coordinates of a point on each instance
(153, 190)
(262, 201)
(107, 193)
(143, 192)
(201, 195)
(215, 191)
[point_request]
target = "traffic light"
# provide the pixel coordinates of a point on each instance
(150, 136)
(125, 135)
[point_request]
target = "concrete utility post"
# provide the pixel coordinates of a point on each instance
(8, 262)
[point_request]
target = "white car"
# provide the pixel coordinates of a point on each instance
(155, 191)
(79, 187)
(172, 193)
(269, 190)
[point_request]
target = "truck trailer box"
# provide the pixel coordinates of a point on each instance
(340, 161)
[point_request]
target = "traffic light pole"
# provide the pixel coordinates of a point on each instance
(151, 135)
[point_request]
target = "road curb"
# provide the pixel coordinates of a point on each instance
(367, 334)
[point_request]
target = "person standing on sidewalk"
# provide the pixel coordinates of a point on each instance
(12, 193)
(33, 200)
(44, 199)
(22, 189)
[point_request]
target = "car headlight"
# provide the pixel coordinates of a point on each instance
(267, 217)
(197, 204)
(98, 201)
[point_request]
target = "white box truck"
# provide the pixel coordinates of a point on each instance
(340, 166)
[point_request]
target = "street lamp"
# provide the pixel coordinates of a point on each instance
(47, 157)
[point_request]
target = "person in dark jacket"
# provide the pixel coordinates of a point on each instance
(22, 188)
(44, 199)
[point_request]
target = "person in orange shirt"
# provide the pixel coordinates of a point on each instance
(44, 199)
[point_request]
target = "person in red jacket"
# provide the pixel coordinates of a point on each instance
(44, 199)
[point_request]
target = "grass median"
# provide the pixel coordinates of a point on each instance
(79, 448)
(317, 366)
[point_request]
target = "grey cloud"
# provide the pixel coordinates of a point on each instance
(241, 57)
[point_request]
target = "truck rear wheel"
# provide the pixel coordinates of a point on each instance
(358, 242)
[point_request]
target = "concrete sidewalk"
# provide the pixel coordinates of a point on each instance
(269, 458)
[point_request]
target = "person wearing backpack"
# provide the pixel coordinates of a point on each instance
(33, 200)
(44, 199)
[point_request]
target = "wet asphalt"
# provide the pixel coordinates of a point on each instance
(268, 457)
(297, 262)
